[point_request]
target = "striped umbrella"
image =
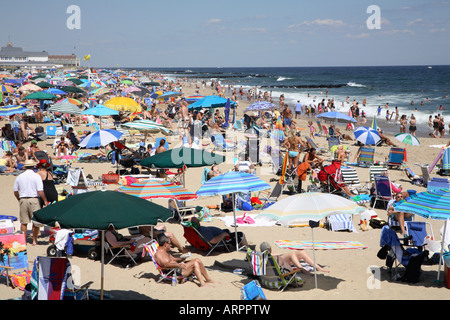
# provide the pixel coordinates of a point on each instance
(429, 204)
(100, 138)
(150, 189)
(408, 139)
(260, 105)
(309, 207)
(7, 89)
(232, 182)
(65, 107)
(11, 110)
(367, 135)
(146, 126)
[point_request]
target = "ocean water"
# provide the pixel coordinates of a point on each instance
(397, 85)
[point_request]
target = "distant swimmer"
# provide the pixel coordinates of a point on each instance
(412, 102)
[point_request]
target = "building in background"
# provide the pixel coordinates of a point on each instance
(11, 56)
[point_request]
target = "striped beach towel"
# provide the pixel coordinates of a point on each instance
(319, 245)
(258, 261)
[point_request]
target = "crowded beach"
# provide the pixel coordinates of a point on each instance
(52, 131)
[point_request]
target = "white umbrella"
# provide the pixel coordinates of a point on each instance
(309, 207)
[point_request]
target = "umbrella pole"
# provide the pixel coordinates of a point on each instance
(314, 258)
(442, 252)
(235, 224)
(103, 264)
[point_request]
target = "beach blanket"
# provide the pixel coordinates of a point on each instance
(20, 280)
(319, 245)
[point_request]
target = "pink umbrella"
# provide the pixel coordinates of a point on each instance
(131, 89)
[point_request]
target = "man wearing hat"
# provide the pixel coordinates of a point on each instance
(28, 188)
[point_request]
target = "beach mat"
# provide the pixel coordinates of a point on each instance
(319, 245)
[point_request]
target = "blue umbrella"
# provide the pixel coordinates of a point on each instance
(211, 102)
(336, 117)
(232, 182)
(100, 138)
(429, 204)
(11, 110)
(100, 110)
(260, 105)
(169, 94)
(55, 91)
(367, 135)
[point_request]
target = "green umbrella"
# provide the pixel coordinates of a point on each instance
(40, 96)
(179, 157)
(72, 89)
(408, 139)
(76, 81)
(100, 209)
(44, 85)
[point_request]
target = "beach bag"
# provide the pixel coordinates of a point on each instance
(252, 291)
(377, 223)
(110, 178)
(413, 268)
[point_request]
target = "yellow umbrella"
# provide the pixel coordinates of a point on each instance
(123, 104)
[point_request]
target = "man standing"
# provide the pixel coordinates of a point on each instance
(287, 116)
(183, 122)
(28, 187)
(298, 109)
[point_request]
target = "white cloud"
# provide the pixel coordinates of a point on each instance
(410, 23)
(260, 30)
(358, 36)
(318, 23)
(438, 30)
(215, 20)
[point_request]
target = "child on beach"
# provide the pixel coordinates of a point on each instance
(312, 129)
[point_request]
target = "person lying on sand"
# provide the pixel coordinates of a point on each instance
(185, 268)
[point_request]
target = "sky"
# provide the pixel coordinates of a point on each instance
(244, 33)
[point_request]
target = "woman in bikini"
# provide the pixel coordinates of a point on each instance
(293, 143)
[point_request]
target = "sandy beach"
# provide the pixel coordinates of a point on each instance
(349, 278)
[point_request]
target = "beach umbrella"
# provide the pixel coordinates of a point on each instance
(374, 123)
(408, 139)
(7, 89)
(177, 158)
(98, 210)
(191, 99)
(71, 100)
(210, 102)
(75, 81)
(309, 207)
(129, 82)
(260, 105)
(168, 95)
(123, 104)
(40, 96)
(100, 110)
(336, 117)
(152, 83)
(430, 205)
(147, 126)
(29, 87)
(44, 85)
(55, 91)
(11, 110)
(65, 107)
(367, 135)
(231, 183)
(71, 89)
(150, 189)
(100, 138)
(131, 89)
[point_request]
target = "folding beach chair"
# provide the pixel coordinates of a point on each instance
(415, 179)
(276, 162)
(220, 144)
(270, 274)
(341, 222)
(366, 157)
(118, 252)
(394, 252)
(164, 273)
(238, 126)
(396, 157)
(377, 170)
(350, 177)
(383, 190)
(179, 210)
(273, 196)
(425, 174)
(417, 232)
(196, 239)
(312, 144)
(51, 279)
(333, 141)
(51, 131)
(438, 183)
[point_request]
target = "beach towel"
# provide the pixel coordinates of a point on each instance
(52, 278)
(319, 245)
(261, 222)
(20, 280)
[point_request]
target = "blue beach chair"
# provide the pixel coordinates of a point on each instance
(396, 157)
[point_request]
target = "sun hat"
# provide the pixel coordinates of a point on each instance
(42, 163)
(29, 163)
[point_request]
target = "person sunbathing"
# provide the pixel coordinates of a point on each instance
(115, 239)
(214, 235)
(184, 268)
(291, 260)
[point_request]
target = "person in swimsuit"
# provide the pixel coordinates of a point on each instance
(412, 125)
(47, 179)
(293, 143)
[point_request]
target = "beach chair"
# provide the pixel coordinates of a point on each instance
(118, 252)
(205, 175)
(270, 274)
(179, 211)
(319, 125)
(383, 190)
(341, 222)
(312, 144)
(51, 131)
(394, 252)
(51, 279)
(350, 177)
(417, 232)
(425, 174)
(273, 196)
(436, 184)
(276, 163)
(164, 273)
(377, 170)
(196, 239)
(238, 126)
(219, 143)
(333, 141)
(396, 157)
(366, 157)
(415, 179)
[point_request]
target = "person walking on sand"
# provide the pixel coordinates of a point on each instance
(185, 268)
(28, 188)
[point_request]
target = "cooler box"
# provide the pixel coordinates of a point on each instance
(6, 226)
(447, 270)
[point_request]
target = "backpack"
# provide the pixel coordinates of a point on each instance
(413, 269)
(377, 223)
